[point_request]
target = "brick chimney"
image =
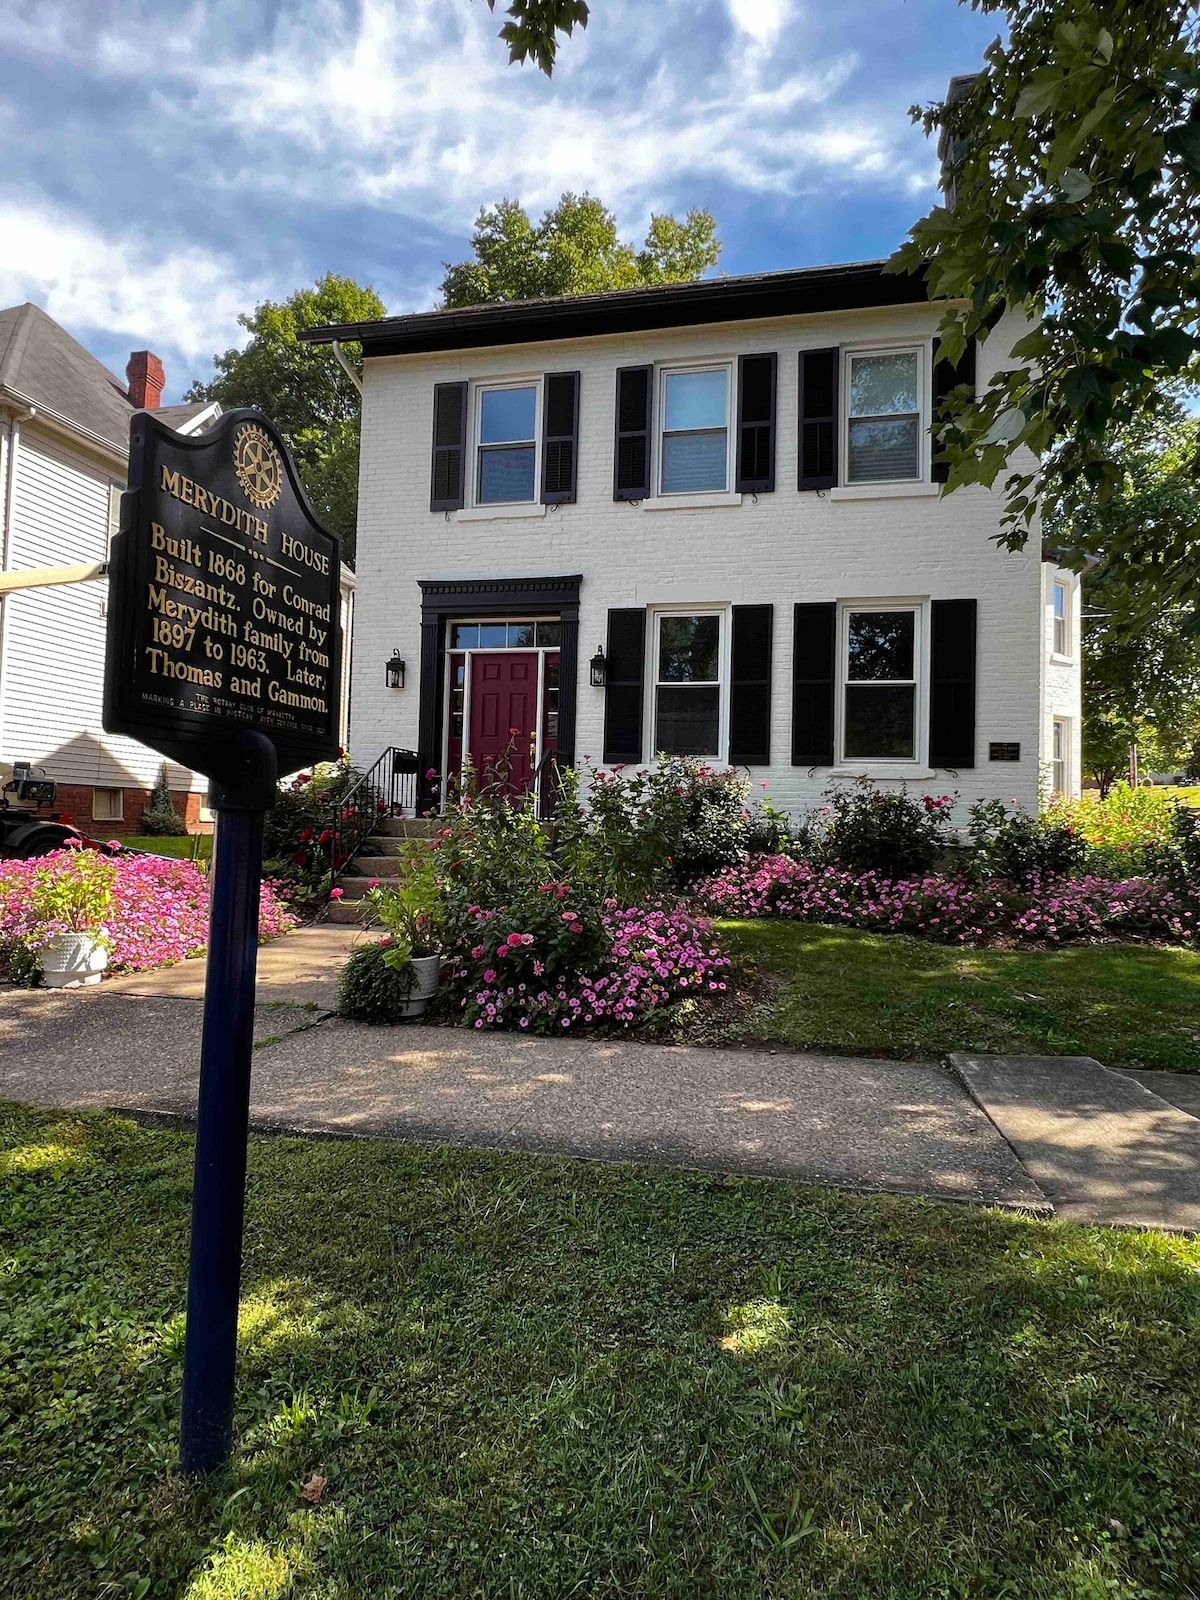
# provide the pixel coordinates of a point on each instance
(146, 380)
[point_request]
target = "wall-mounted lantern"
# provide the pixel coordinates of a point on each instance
(395, 671)
(598, 667)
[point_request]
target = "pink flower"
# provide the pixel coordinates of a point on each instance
(336, 894)
(490, 975)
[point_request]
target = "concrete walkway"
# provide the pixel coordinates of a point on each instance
(300, 968)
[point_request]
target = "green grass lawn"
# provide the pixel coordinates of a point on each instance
(841, 989)
(186, 847)
(526, 1377)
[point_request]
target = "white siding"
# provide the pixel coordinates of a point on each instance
(52, 668)
(785, 547)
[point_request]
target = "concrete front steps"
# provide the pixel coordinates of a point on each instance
(379, 857)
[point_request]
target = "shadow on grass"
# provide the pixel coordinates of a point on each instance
(526, 1376)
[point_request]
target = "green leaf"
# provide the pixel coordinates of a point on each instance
(1006, 428)
(1184, 141)
(1039, 94)
(1172, 347)
(1104, 45)
(1074, 185)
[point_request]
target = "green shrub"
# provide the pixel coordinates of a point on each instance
(1019, 846)
(1125, 830)
(297, 839)
(160, 820)
(867, 829)
(371, 987)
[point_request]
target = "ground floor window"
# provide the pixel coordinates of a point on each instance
(688, 652)
(108, 805)
(1060, 756)
(880, 683)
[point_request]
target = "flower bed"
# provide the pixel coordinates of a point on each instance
(158, 913)
(614, 970)
(953, 909)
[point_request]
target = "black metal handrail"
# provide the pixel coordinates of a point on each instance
(541, 789)
(388, 789)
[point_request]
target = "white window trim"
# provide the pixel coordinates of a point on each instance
(654, 614)
(661, 500)
(1068, 622)
(477, 510)
(1066, 759)
(916, 765)
(102, 816)
(882, 488)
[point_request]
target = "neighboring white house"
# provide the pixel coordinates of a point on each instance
(64, 447)
(726, 489)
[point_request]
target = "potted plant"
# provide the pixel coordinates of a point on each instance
(407, 911)
(70, 898)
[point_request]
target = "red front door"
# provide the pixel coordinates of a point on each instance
(504, 716)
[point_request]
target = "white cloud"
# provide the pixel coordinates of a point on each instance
(177, 298)
(414, 106)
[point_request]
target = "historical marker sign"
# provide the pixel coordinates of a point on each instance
(224, 653)
(224, 613)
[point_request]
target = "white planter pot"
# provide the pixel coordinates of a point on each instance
(71, 959)
(425, 973)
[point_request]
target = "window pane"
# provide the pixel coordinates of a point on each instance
(688, 649)
(694, 400)
(1060, 600)
(505, 474)
(881, 645)
(520, 635)
(548, 635)
(880, 722)
(881, 452)
(493, 635)
(693, 461)
(688, 718)
(464, 636)
(506, 415)
(883, 386)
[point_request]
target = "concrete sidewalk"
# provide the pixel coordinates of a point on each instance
(874, 1125)
(299, 968)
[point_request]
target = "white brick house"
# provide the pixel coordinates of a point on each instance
(726, 486)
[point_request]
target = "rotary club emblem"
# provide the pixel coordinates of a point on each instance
(258, 467)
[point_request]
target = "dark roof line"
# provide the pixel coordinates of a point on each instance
(852, 286)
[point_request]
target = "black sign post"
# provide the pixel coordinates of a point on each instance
(224, 654)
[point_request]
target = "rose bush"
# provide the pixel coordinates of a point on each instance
(157, 912)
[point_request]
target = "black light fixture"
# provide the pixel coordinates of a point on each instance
(599, 668)
(395, 671)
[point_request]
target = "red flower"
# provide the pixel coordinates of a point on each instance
(326, 836)
(306, 835)
(381, 805)
(299, 859)
(302, 778)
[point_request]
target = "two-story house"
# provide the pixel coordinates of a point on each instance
(701, 519)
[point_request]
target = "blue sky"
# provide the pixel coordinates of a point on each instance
(168, 165)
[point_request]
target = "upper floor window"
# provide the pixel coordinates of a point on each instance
(1062, 620)
(506, 444)
(687, 683)
(694, 436)
(884, 437)
(879, 683)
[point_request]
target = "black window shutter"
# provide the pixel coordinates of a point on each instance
(624, 693)
(814, 667)
(631, 469)
(756, 424)
(945, 378)
(448, 489)
(819, 418)
(750, 687)
(560, 438)
(952, 683)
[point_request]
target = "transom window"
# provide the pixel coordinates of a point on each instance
(507, 444)
(883, 416)
(1062, 618)
(694, 453)
(505, 635)
(687, 684)
(880, 684)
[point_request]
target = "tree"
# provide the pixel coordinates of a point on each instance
(534, 25)
(1141, 681)
(304, 391)
(1075, 199)
(574, 249)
